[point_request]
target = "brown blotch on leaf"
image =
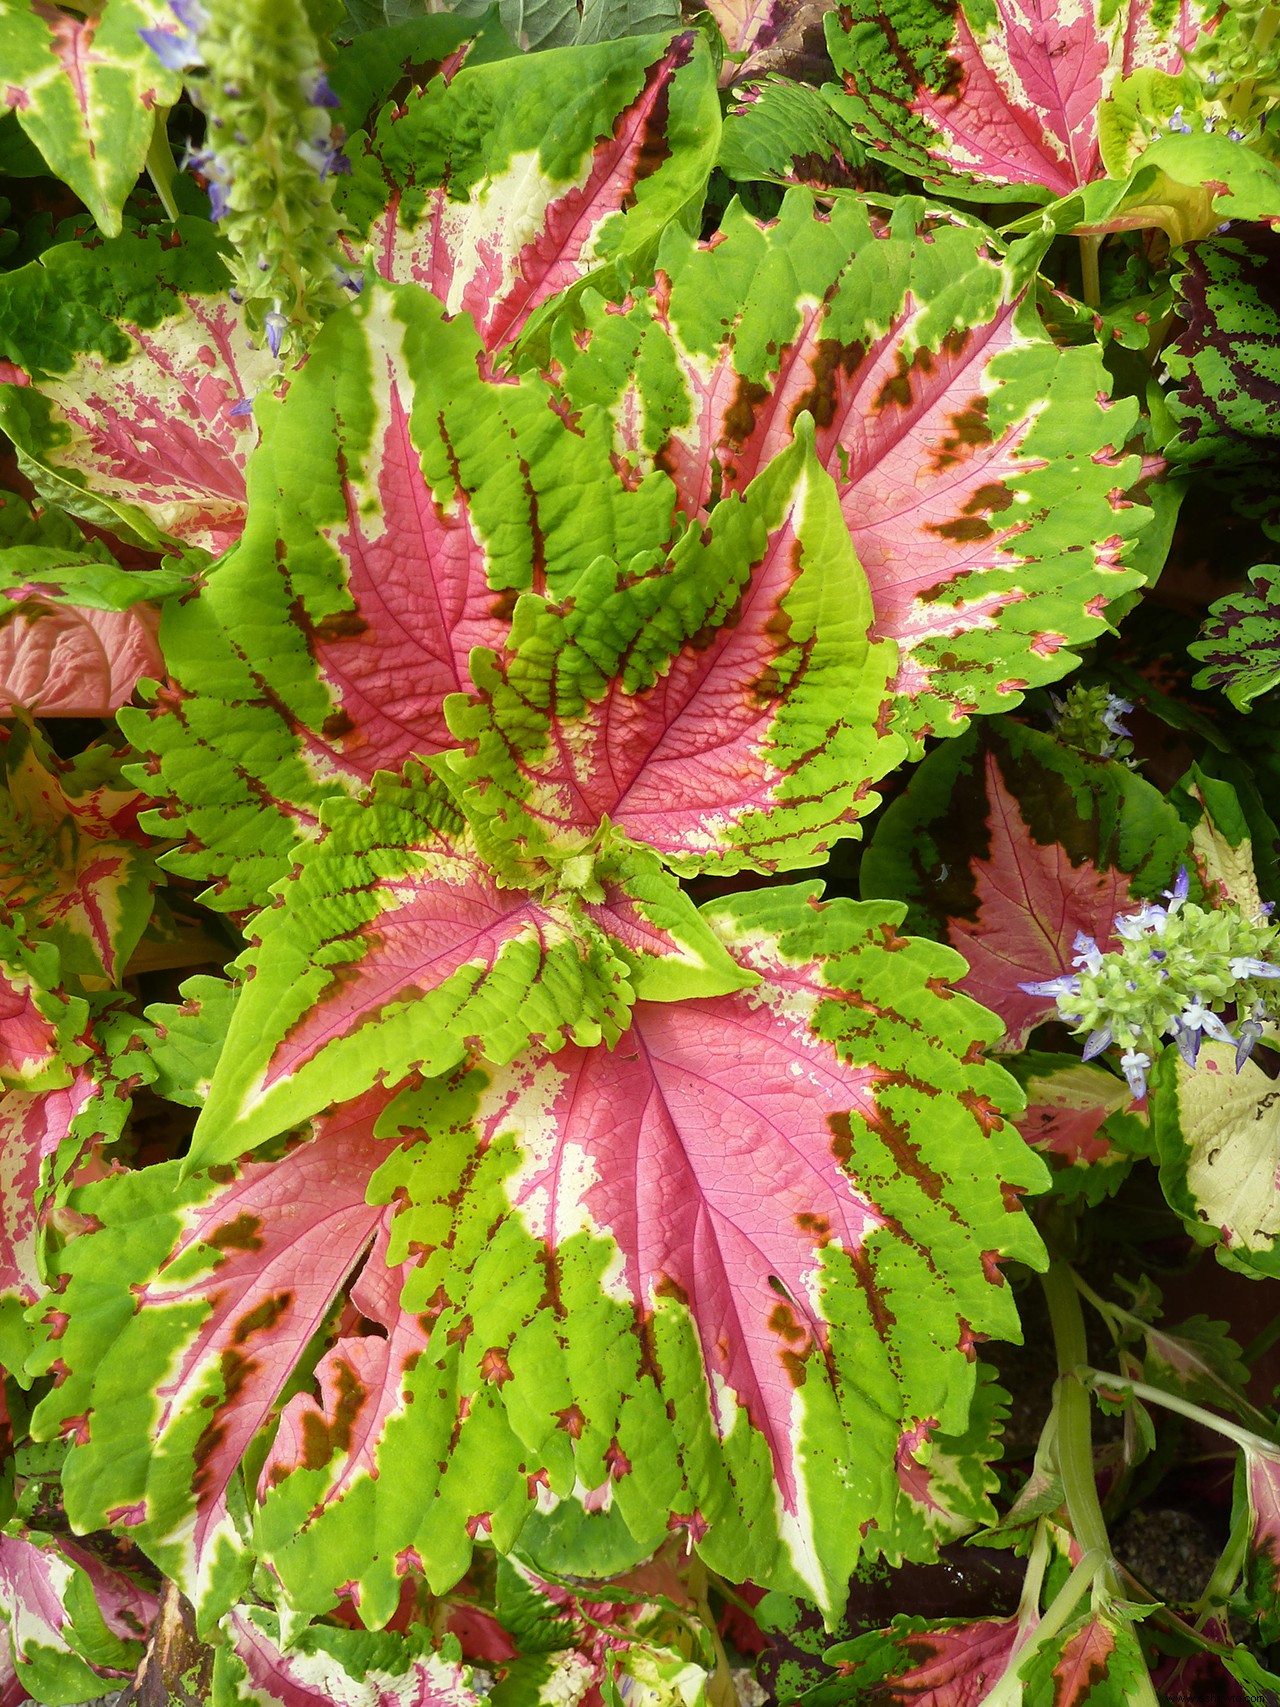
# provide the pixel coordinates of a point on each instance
(321, 1438)
(242, 1234)
(794, 1366)
(336, 725)
(667, 1287)
(841, 1138)
(782, 1321)
(340, 625)
(963, 530)
(494, 1367)
(740, 416)
(970, 429)
(831, 359)
(818, 1227)
(262, 1317)
(572, 1421)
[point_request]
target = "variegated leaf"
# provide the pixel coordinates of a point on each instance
(996, 100)
(1076, 1118)
(186, 1315)
(137, 375)
(1239, 645)
(39, 1019)
(69, 1621)
(514, 181)
(724, 707)
(48, 1138)
(1094, 1661)
(971, 456)
(784, 37)
(916, 1663)
(782, 132)
(73, 861)
(1006, 844)
(395, 949)
(1226, 372)
(1218, 1137)
(86, 88)
(319, 1665)
(637, 1296)
(402, 496)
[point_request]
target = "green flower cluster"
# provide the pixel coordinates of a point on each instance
(1089, 719)
(1176, 972)
(270, 156)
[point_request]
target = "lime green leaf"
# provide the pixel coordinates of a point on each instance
(725, 706)
(86, 89)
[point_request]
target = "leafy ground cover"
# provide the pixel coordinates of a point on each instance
(639, 1008)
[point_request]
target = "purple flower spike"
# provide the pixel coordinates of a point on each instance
(1135, 1065)
(190, 14)
(1250, 1032)
(276, 325)
(1066, 985)
(1181, 888)
(1096, 1042)
(175, 52)
(1087, 954)
(1245, 966)
(318, 92)
(1188, 1041)
(219, 201)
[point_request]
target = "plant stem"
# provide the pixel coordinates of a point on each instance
(1090, 283)
(1243, 1437)
(1008, 1691)
(160, 167)
(1261, 1342)
(1074, 1444)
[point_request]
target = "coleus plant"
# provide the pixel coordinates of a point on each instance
(561, 968)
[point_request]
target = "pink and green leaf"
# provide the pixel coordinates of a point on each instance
(1258, 1493)
(969, 453)
(86, 90)
(319, 1665)
(611, 1318)
(995, 99)
(1006, 844)
(1096, 1661)
(133, 413)
(187, 1313)
(916, 1663)
(1076, 1117)
(68, 1621)
(513, 182)
(47, 1138)
(724, 707)
(39, 1019)
(72, 859)
(394, 949)
(323, 649)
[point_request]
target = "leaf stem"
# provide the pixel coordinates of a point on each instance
(1074, 1443)
(1090, 282)
(160, 165)
(1243, 1437)
(1008, 1691)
